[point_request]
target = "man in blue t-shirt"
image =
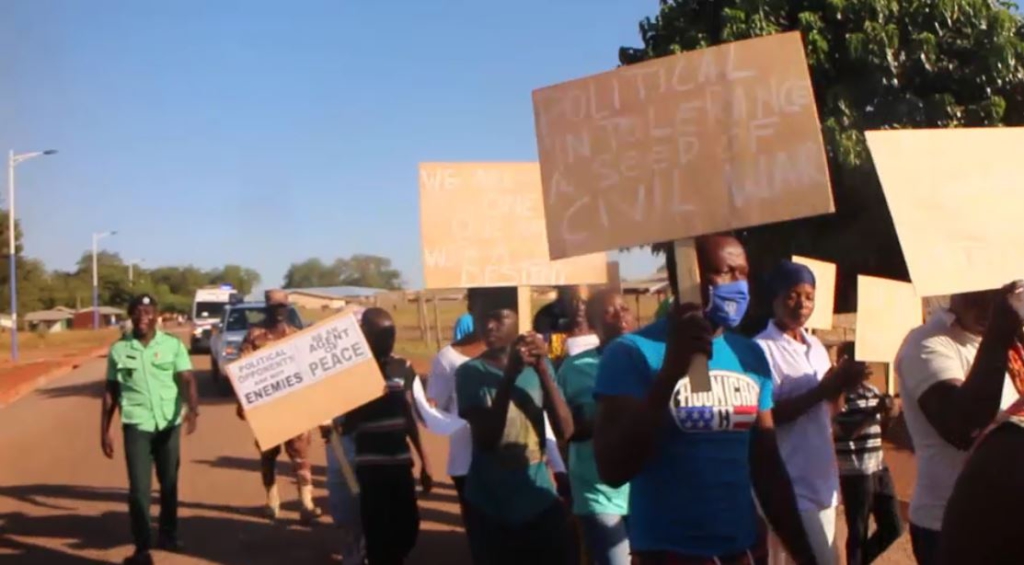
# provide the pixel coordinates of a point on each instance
(692, 458)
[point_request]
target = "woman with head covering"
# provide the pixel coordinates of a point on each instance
(805, 386)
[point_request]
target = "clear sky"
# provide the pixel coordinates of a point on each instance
(265, 132)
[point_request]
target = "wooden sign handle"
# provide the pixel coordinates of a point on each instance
(524, 295)
(346, 466)
(688, 281)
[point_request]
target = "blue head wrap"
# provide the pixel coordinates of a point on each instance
(788, 275)
(463, 326)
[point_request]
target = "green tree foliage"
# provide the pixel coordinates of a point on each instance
(874, 64)
(359, 270)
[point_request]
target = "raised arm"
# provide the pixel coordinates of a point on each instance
(555, 407)
(631, 415)
(844, 375)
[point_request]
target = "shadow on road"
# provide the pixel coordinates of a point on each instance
(233, 536)
(92, 389)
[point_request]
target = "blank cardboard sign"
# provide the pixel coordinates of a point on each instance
(483, 226)
(955, 197)
(305, 379)
(886, 312)
(824, 292)
(680, 146)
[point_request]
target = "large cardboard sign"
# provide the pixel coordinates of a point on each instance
(305, 379)
(955, 197)
(681, 146)
(886, 312)
(824, 292)
(483, 226)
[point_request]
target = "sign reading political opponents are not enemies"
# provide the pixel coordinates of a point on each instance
(483, 226)
(293, 385)
(681, 146)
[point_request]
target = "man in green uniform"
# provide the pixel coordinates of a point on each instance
(148, 374)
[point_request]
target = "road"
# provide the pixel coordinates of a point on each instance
(62, 502)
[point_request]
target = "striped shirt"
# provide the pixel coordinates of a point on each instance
(859, 454)
(381, 426)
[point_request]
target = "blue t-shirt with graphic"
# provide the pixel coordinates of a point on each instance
(694, 497)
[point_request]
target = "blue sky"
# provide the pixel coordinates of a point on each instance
(265, 132)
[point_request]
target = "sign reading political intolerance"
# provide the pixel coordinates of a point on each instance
(681, 146)
(483, 226)
(307, 378)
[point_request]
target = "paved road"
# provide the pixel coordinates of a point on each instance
(62, 502)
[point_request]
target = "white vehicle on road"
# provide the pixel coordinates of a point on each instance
(231, 329)
(207, 308)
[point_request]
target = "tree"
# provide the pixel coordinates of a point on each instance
(874, 64)
(241, 278)
(359, 270)
(311, 273)
(369, 271)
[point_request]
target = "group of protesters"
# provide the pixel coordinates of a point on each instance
(656, 473)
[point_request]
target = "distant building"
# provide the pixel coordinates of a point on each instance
(49, 321)
(331, 298)
(109, 317)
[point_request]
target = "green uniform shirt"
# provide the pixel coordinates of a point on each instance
(576, 379)
(510, 483)
(150, 400)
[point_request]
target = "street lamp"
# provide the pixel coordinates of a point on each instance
(12, 161)
(96, 237)
(131, 270)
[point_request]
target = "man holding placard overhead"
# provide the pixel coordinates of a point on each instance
(956, 372)
(691, 473)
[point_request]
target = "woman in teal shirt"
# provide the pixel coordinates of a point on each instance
(601, 509)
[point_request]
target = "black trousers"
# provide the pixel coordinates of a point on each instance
(142, 450)
(544, 540)
(391, 516)
(866, 496)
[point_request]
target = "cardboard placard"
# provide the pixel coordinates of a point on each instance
(293, 385)
(824, 292)
(681, 146)
(886, 312)
(483, 226)
(954, 197)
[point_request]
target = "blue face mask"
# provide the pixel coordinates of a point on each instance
(728, 304)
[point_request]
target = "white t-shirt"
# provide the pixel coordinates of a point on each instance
(937, 351)
(805, 443)
(441, 389)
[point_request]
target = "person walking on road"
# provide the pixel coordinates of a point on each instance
(383, 429)
(805, 385)
(953, 375)
(692, 458)
(275, 326)
(601, 510)
(149, 373)
(864, 479)
(512, 506)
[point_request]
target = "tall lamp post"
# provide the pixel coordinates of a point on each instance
(12, 161)
(96, 237)
(131, 270)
